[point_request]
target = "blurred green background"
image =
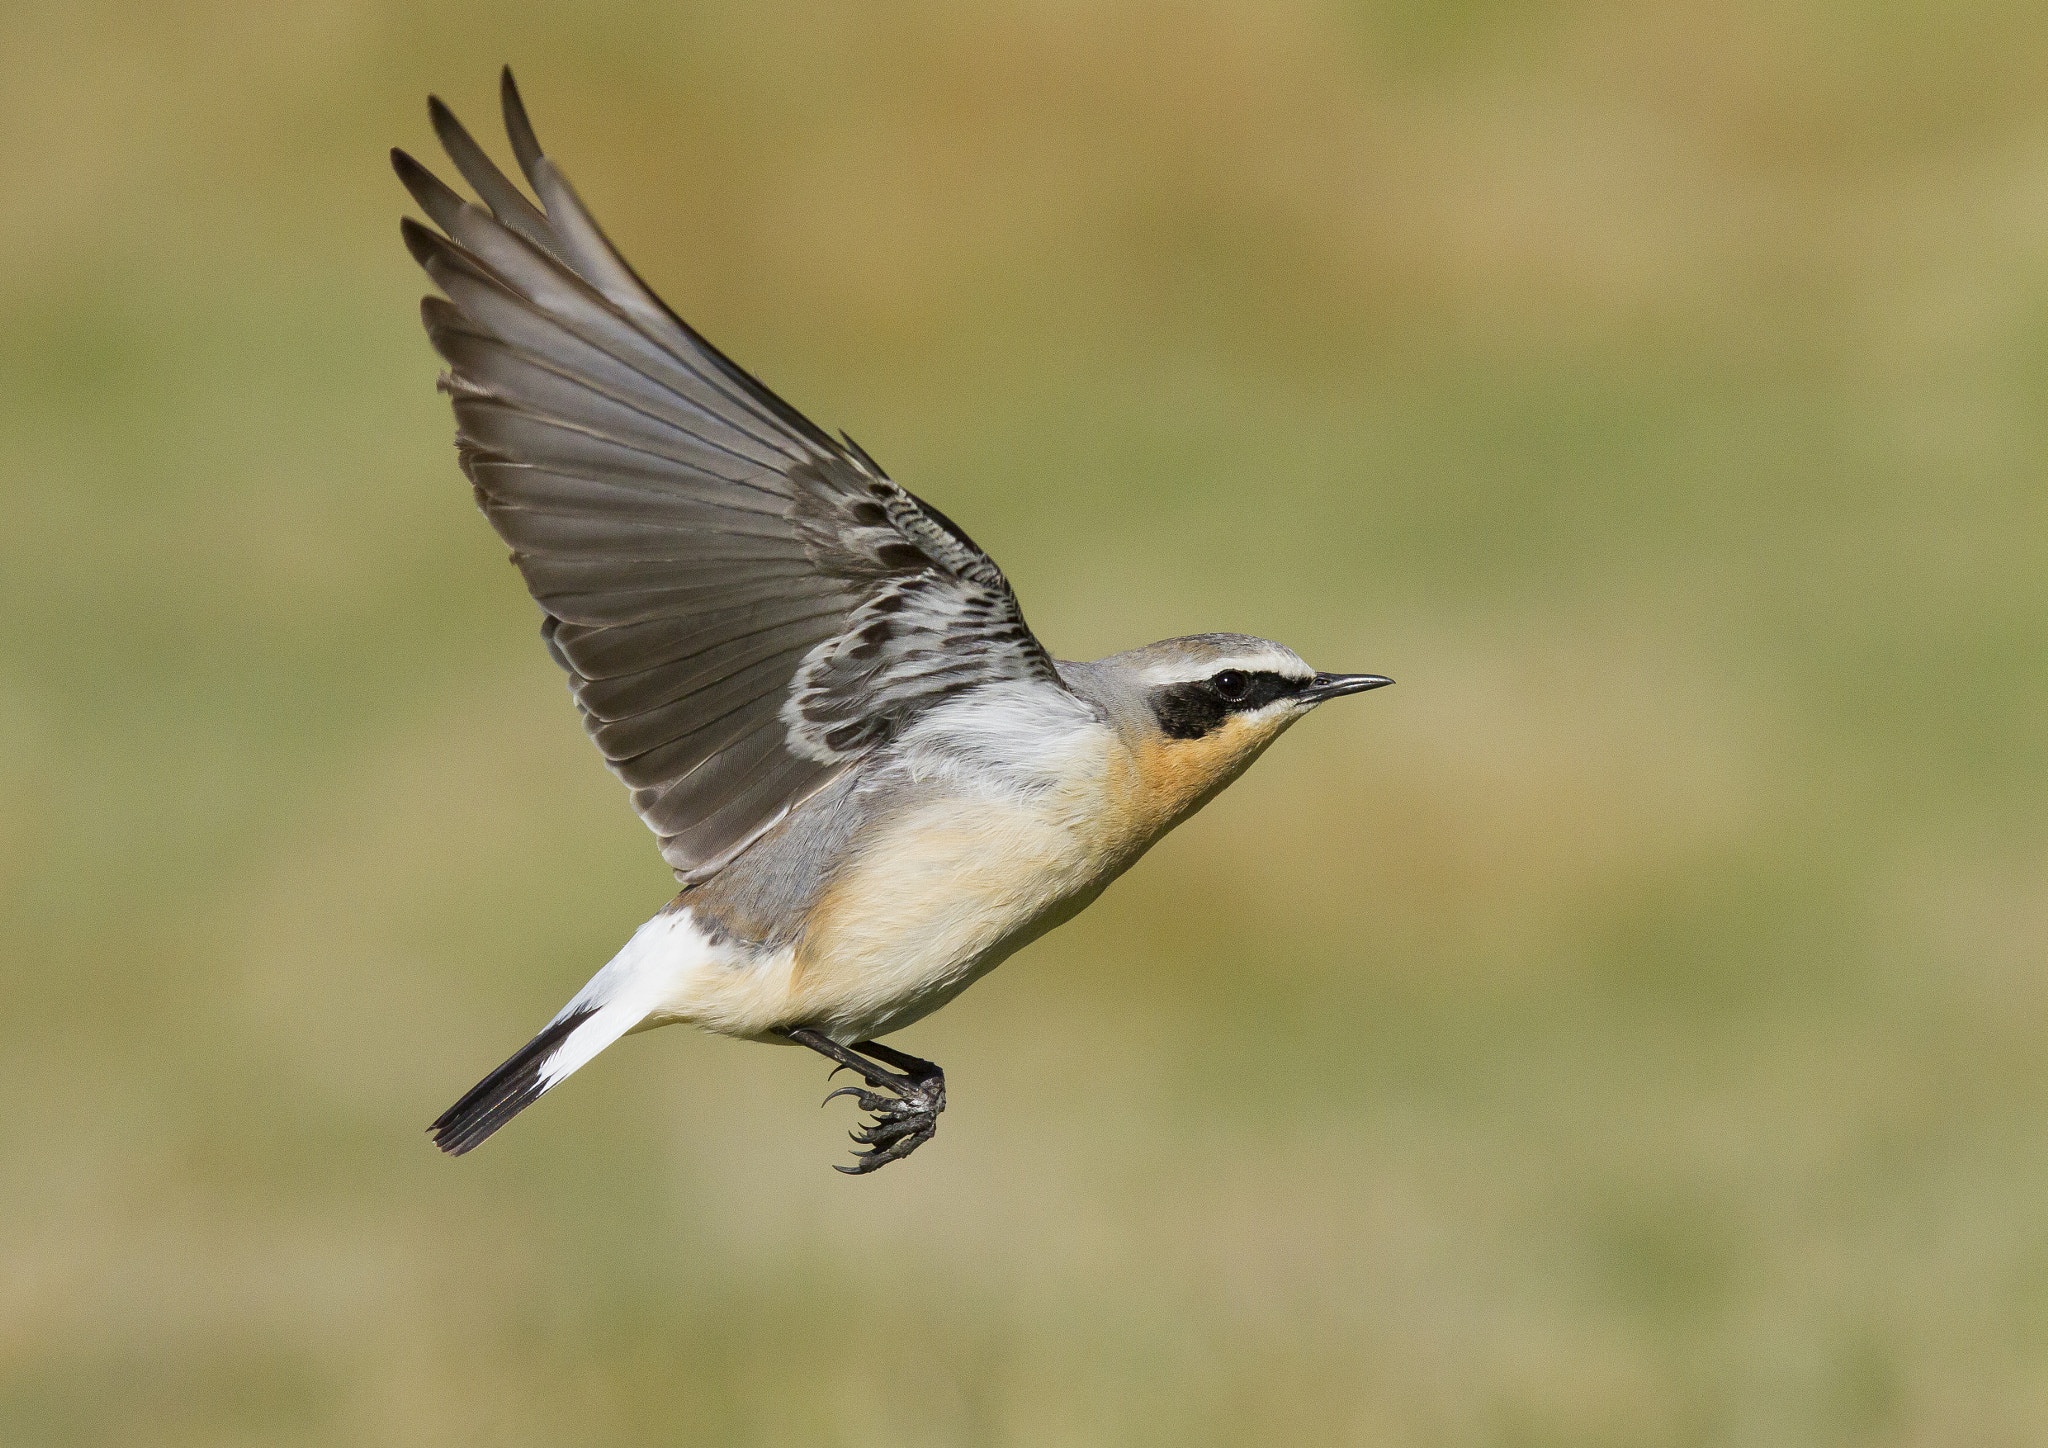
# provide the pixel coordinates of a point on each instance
(1628, 1031)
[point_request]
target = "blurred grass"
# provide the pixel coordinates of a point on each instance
(1627, 1031)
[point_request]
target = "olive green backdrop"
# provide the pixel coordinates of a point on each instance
(1628, 1031)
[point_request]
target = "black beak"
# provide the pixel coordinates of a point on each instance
(1330, 686)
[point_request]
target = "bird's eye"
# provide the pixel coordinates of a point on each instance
(1232, 684)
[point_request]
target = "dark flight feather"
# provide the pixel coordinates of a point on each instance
(745, 606)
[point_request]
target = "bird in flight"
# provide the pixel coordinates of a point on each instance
(872, 781)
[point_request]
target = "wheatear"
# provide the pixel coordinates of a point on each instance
(873, 783)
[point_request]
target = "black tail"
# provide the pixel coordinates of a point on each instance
(504, 1093)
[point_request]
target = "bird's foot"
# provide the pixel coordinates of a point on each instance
(905, 1118)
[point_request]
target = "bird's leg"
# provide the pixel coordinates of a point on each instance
(905, 1119)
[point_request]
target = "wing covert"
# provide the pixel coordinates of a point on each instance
(744, 605)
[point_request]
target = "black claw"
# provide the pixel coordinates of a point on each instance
(866, 1100)
(882, 1133)
(867, 1161)
(904, 1119)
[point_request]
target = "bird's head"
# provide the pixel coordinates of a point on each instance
(1198, 710)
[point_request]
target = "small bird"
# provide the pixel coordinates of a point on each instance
(872, 781)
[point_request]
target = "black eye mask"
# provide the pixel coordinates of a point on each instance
(1188, 711)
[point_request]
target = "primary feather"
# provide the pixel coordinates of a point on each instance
(745, 606)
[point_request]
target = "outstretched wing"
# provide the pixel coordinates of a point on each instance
(744, 606)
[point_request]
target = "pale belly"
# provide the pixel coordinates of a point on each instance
(948, 892)
(945, 890)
